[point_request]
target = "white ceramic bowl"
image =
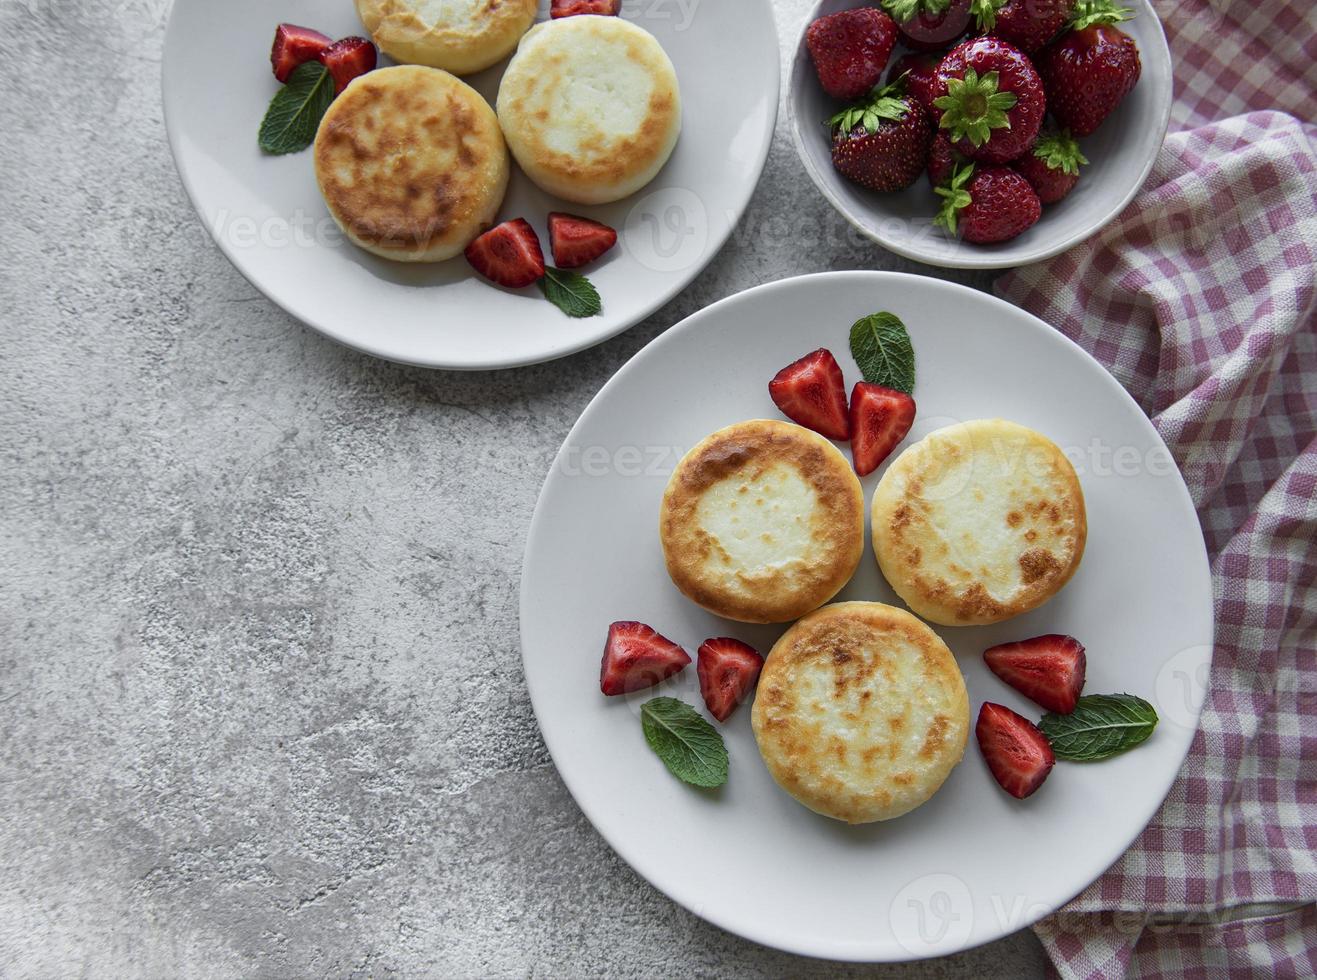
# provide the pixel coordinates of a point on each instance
(1121, 154)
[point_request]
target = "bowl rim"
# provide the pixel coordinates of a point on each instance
(1160, 51)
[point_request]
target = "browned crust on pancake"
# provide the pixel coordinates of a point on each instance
(856, 646)
(424, 156)
(752, 448)
(403, 35)
(603, 161)
(909, 553)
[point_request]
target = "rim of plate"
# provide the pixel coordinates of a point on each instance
(988, 260)
(679, 281)
(685, 896)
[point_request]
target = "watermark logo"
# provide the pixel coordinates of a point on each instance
(667, 230)
(1181, 686)
(932, 913)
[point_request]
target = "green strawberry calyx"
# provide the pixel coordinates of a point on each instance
(883, 103)
(973, 107)
(903, 11)
(1090, 12)
(985, 12)
(1060, 152)
(955, 196)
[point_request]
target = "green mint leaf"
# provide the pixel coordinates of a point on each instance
(689, 746)
(295, 112)
(881, 347)
(1102, 725)
(571, 292)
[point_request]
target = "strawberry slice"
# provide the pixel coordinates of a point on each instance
(1046, 669)
(293, 46)
(578, 241)
(573, 8)
(348, 58)
(508, 254)
(812, 393)
(728, 670)
(636, 657)
(1018, 754)
(880, 418)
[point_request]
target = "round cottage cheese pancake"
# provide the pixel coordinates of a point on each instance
(762, 522)
(411, 163)
(979, 522)
(461, 36)
(861, 712)
(590, 108)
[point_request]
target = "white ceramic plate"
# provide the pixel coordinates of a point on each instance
(268, 217)
(1121, 155)
(972, 864)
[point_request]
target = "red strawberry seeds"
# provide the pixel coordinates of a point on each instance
(850, 50)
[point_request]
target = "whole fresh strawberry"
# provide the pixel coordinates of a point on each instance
(1052, 168)
(927, 25)
(989, 99)
(919, 69)
(882, 142)
(1028, 24)
(1090, 68)
(987, 204)
(942, 159)
(850, 50)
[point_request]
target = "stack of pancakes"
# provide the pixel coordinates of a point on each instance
(861, 711)
(413, 163)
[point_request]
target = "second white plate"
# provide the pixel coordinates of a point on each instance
(267, 216)
(972, 864)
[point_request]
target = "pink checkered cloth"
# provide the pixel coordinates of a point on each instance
(1199, 298)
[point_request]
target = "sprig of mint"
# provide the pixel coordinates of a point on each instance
(571, 292)
(689, 746)
(882, 349)
(1102, 725)
(295, 112)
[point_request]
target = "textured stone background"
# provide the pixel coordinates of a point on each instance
(261, 702)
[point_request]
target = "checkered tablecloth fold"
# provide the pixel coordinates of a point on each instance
(1200, 299)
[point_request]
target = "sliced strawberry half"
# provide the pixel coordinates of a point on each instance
(812, 393)
(347, 59)
(728, 670)
(294, 46)
(880, 418)
(574, 8)
(508, 254)
(1017, 753)
(637, 657)
(1047, 669)
(578, 241)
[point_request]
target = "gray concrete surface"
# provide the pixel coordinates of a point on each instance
(261, 703)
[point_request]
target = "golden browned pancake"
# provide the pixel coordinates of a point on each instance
(979, 522)
(461, 36)
(590, 108)
(762, 522)
(411, 163)
(861, 712)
